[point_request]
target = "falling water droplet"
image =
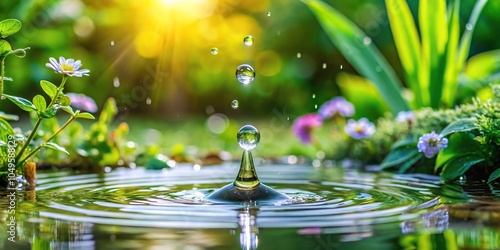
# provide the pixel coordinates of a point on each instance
(315, 106)
(248, 137)
(116, 82)
(268, 13)
(468, 26)
(299, 55)
(235, 104)
(245, 74)
(248, 40)
(367, 40)
(112, 43)
(324, 65)
(341, 66)
(314, 96)
(148, 101)
(214, 51)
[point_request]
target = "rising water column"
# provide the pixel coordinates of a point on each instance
(247, 187)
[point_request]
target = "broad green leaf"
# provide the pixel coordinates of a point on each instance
(49, 88)
(21, 103)
(451, 71)
(39, 103)
(68, 110)
(408, 45)
(5, 128)
(457, 166)
(461, 125)
(410, 162)
(55, 146)
(358, 49)
(63, 100)
(85, 116)
(463, 49)
(10, 117)
(156, 164)
(4, 48)
(399, 156)
(458, 144)
(483, 65)
(407, 142)
(495, 175)
(9, 27)
(49, 113)
(434, 35)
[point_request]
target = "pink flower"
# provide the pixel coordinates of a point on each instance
(82, 102)
(303, 125)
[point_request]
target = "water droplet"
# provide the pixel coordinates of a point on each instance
(235, 104)
(367, 40)
(245, 74)
(288, 118)
(324, 65)
(268, 13)
(248, 40)
(299, 55)
(341, 66)
(248, 137)
(315, 106)
(116, 82)
(468, 26)
(314, 96)
(148, 101)
(214, 51)
(112, 43)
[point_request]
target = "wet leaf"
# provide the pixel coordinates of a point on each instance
(10, 117)
(495, 175)
(39, 103)
(462, 125)
(55, 146)
(457, 166)
(399, 156)
(9, 27)
(68, 110)
(49, 113)
(49, 88)
(85, 116)
(22, 103)
(5, 48)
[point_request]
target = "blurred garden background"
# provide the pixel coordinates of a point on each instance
(154, 57)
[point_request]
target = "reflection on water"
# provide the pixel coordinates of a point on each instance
(330, 208)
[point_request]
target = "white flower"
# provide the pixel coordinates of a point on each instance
(68, 67)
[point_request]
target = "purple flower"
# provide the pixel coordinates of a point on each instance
(303, 125)
(430, 144)
(406, 117)
(68, 67)
(337, 105)
(83, 102)
(359, 129)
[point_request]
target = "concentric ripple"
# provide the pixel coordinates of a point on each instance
(174, 198)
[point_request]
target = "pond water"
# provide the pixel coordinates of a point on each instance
(330, 208)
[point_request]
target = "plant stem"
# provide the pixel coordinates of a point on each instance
(30, 137)
(59, 90)
(2, 76)
(50, 138)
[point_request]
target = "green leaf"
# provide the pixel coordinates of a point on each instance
(55, 146)
(49, 88)
(10, 117)
(399, 156)
(358, 49)
(451, 70)
(458, 144)
(407, 142)
(68, 110)
(63, 100)
(410, 162)
(483, 65)
(494, 175)
(434, 35)
(39, 103)
(156, 164)
(21, 103)
(463, 49)
(9, 27)
(408, 45)
(85, 116)
(6, 129)
(5, 48)
(108, 112)
(49, 113)
(457, 166)
(461, 125)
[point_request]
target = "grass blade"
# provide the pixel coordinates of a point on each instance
(408, 45)
(364, 57)
(434, 34)
(451, 71)
(463, 50)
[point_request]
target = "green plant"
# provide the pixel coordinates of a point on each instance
(432, 60)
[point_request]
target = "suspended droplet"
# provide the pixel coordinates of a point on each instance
(315, 106)
(314, 96)
(367, 40)
(245, 74)
(248, 137)
(148, 101)
(116, 82)
(248, 40)
(299, 55)
(112, 43)
(268, 13)
(235, 104)
(324, 65)
(214, 51)
(468, 26)
(341, 66)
